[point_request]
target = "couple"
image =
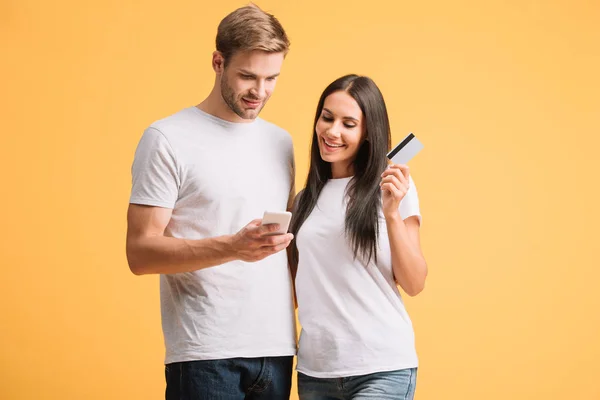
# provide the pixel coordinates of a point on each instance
(202, 176)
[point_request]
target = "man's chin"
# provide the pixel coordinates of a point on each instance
(250, 113)
(248, 116)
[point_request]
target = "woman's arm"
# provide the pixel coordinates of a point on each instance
(408, 262)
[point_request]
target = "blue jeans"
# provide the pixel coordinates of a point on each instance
(265, 378)
(392, 385)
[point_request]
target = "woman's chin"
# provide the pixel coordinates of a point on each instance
(328, 158)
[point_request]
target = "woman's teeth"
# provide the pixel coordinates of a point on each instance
(332, 145)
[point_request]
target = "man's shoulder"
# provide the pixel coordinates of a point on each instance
(273, 127)
(173, 120)
(276, 130)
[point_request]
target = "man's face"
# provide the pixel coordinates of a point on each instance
(249, 80)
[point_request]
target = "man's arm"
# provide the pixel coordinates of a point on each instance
(150, 252)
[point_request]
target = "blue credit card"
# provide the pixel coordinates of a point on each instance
(405, 150)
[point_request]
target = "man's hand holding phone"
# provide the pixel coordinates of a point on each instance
(262, 237)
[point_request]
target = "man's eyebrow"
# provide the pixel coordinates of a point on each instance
(245, 72)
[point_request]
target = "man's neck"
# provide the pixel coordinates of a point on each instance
(216, 106)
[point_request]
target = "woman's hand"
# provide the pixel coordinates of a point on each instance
(394, 184)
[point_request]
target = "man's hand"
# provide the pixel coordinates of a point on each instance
(251, 243)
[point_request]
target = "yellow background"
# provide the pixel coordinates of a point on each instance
(504, 95)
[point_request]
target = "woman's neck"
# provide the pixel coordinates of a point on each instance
(341, 170)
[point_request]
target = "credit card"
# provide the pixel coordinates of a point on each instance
(405, 150)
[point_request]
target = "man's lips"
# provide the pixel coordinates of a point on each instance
(251, 103)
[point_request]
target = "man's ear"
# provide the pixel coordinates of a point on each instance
(218, 62)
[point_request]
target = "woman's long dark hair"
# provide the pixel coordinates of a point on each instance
(364, 194)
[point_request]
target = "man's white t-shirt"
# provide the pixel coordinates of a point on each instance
(352, 315)
(217, 176)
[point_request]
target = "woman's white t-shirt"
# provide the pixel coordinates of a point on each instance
(352, 315)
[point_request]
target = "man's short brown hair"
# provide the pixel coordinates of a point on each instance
(250, 28)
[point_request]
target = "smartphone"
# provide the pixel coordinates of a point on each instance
(282, 218)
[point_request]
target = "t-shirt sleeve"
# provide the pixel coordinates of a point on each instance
(409, 206)
(155, 181)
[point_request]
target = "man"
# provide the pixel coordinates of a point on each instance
(201, 178)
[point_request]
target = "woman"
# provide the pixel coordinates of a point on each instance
(356, 227)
